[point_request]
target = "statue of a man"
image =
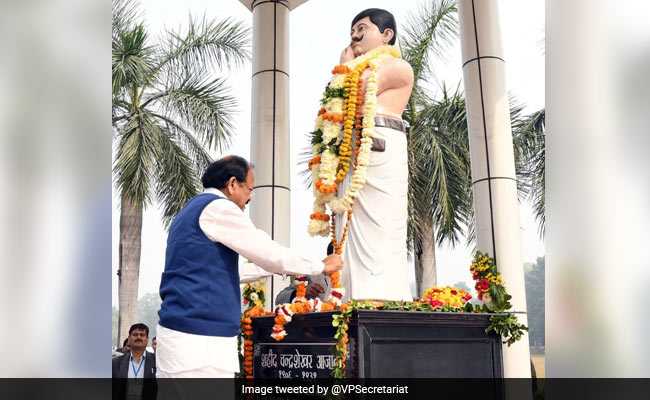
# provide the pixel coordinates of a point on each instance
(375, 255)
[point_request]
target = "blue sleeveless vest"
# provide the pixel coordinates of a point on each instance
(200, 285)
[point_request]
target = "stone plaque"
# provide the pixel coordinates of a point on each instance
(293, 360)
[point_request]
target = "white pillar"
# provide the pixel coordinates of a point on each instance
(270, 149)
(493, 169)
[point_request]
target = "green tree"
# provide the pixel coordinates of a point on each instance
(147, 313)
(166, 107)
(440, 192)
(530, 151)
(437, 162)
(148, 307)
(535, 303)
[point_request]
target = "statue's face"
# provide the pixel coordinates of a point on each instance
(366, 36)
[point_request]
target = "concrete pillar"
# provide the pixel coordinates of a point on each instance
(493, 169)
(270, 147)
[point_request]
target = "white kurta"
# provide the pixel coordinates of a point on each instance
(375, 254)
(185, 355)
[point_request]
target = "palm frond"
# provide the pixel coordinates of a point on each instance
(428, 33)
(187, 142)
(131, 60)
(119, 111)
(207, 44)
(203, 105)
(177, 179)
(303, 163)
(134, 164)
(520, 145)
(538, 189)
(440, 181)
(126, 13)
(530, 134)
(419, 97)
(530, 145)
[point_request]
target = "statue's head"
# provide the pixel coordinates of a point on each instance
(372, 28)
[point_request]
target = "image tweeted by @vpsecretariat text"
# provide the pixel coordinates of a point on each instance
(322, 389)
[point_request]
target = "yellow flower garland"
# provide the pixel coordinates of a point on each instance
(332, 156)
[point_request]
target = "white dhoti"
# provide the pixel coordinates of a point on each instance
(375, 255)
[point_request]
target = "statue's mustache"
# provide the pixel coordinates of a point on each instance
(358, 39)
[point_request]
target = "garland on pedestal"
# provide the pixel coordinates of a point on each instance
(253, 296)
(490, 289)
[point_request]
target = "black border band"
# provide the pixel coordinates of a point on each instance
(489, 178)
(270, 70)
(256, 3)
(481, 58)
(272, 186)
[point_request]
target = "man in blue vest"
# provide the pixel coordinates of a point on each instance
(200, 310)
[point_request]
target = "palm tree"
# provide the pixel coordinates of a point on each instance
(530, 149)
(166, 107)
(440, 184)
(440, 193)
(438, 150)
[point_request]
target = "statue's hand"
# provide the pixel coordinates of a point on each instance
(347, 55)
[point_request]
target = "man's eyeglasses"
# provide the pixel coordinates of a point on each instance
(243, 184)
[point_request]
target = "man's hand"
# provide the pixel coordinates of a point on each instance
(347, 54)
(314, 290)
(332, 263)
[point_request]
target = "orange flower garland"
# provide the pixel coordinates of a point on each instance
(334, 117)
(320, 216)
(345, 106)
(325, 188)
(300, 304)
(341, 321)
(353, 100)
(338, 245)
(247, 333)
(340, 69)
(314, 161)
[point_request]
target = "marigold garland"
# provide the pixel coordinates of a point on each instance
(334, 117)
(340, 69)
(253, 295)
(446, 298)
(314, 161)
(320, 216)
(300, 304)
(345, 106)
(333, 152)
(489, 284)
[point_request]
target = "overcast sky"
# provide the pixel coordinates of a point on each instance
(319, 30)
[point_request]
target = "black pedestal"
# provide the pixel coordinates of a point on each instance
(383, 344)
